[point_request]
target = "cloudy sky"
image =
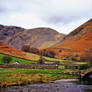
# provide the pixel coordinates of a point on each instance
(62, 15)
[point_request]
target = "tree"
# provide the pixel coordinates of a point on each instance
(26, 48)
(6, 59)
(41, 60)
(34, 50)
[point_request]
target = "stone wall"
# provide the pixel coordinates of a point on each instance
(31, 66)
(72, 67)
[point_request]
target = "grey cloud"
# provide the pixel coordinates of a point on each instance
(49, 12)
(2, 10)
(62, 19)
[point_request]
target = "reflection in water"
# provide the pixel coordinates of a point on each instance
(88, 90)
(50, 87)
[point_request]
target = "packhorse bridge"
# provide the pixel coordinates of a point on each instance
(86, 76)
(84, 72)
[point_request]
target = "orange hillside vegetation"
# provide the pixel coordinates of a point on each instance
(6, 49)
(77, 42)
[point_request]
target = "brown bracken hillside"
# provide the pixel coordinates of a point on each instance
(8, 50)
(76, 45)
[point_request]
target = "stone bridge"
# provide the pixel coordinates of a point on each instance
(84, 72)
(86, 76)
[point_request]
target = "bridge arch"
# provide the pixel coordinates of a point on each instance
(87, 78)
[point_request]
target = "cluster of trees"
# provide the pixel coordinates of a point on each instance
(48, 53)
(87, 57)
(44, 52)
(71, 56)
(27, 48)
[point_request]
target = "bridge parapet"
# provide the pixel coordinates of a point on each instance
(84, 72)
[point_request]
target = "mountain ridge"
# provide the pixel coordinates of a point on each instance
(36, 37)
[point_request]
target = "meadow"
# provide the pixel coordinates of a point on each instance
(20, 76)
(17, 76)
(35, 59)
(15, 59)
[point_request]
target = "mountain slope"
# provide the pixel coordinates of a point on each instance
(77, 43)
(80, 38)
(37, 37)
(6, 49)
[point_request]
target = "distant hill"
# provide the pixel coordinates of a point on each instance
(77, 44)
(37, 38)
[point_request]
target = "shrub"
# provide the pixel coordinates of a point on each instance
(84, 67)
(50, 54)
(41, 60)
(6, 59)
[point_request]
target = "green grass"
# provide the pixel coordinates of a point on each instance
(51, 59)
(31, 71)
(23, 61)
(14, 59)
(54, 60)
(64, 61)
(16, 76)
(80, 63)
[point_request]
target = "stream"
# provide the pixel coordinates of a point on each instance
(65, 85)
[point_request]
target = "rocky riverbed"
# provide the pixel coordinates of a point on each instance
(65, 85)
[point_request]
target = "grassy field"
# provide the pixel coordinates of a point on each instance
(14, 59)
(18, 76)
(65, 61)
(36, 58)
(25, 76)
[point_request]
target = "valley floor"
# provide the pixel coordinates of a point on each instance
(17, 76)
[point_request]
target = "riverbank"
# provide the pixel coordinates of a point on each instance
(66, 80)
(64, 85)
(18, 76)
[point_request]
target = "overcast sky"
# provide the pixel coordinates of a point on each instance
(62, 15)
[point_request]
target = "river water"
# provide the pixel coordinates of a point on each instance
(57, 86)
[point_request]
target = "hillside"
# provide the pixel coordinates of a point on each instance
(76, 44)
(15, 59)
(38, 37)
(6, 49)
